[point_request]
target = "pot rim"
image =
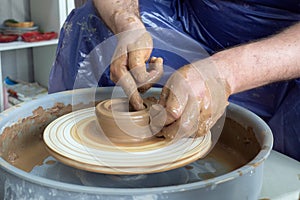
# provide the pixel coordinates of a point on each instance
(260, 126)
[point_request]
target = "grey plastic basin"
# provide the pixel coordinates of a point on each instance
(57, 182)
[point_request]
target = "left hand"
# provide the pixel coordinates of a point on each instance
(128, 67)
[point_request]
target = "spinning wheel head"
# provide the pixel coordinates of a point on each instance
(77, 139)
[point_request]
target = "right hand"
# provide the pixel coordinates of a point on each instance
(191, 102)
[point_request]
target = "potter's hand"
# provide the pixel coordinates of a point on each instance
(194, 98)
(128, 67)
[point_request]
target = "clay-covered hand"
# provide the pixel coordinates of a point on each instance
(128, 68)
(191, 102)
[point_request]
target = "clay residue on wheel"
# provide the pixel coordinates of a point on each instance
(22, 144)
(244, 142)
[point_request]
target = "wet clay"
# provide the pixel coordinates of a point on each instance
(22, 145)
(228, 158)
(241, 141)
(121, 124)
(92, 132)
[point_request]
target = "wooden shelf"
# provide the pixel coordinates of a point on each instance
(22, 45)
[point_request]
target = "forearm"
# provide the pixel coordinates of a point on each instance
(273, 59)
(119, 15)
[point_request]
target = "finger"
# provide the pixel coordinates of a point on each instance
(158, 113)
(118, 68)
(190, 117)
(154, 73)
(187, 124)
(176, 102)
(128, 84)
(158, 117)
(120, 75)
(139, 53)
(137, 64)
(164, 96)
(205, 117)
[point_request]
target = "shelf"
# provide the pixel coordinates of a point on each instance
(41, 58)
(22, 45)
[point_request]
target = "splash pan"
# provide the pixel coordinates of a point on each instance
(232, 170)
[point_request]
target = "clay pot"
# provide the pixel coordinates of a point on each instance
(121, 124)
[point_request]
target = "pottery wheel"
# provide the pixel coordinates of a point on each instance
(76, 139)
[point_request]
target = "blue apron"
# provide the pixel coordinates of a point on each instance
(213, 24)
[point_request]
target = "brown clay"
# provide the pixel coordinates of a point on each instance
(122, 124)
(22, 145)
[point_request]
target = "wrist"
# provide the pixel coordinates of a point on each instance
(224, 67)
(126, 21)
